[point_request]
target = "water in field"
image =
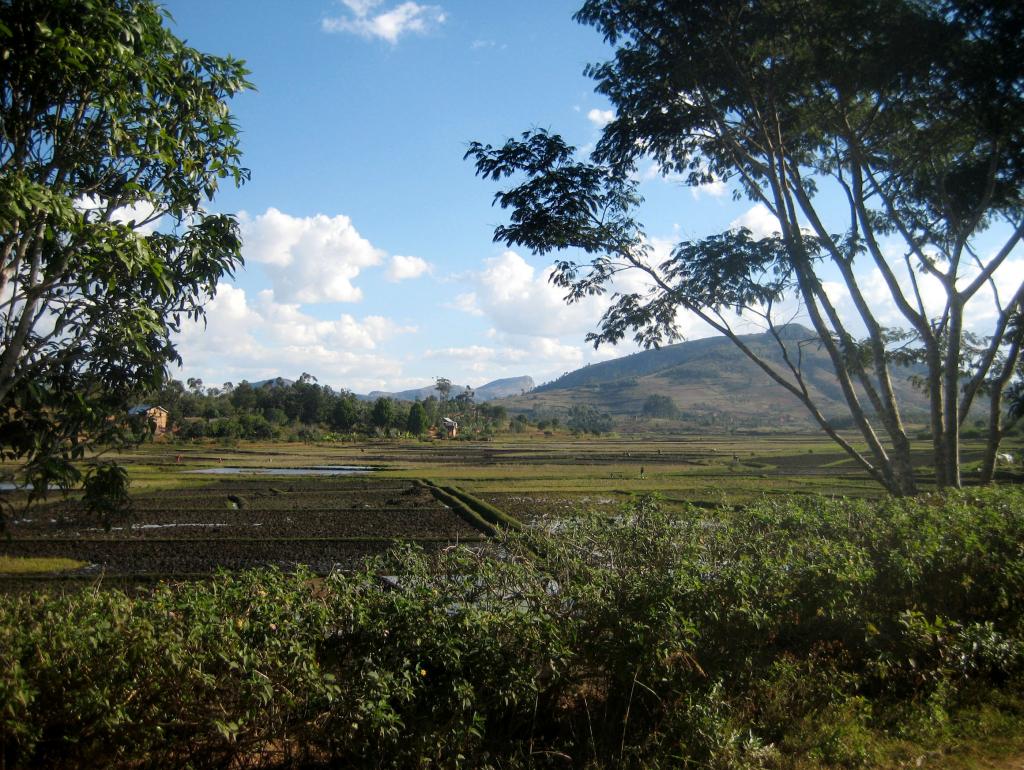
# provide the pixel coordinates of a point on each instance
(313, 470)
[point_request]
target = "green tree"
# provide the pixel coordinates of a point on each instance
(310, 399)
(383, 414)
(657, 405)
(243, 397)
(417, 421)
(443, 386)
(433, 408)
(908, 113)
(584, 418)
(465, 407)
(113, 136)
(496, 415)
(345, 412)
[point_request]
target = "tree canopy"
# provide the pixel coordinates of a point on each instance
(657, 405)
(887, 139)
(114, 134)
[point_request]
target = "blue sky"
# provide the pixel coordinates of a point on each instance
(367, 238)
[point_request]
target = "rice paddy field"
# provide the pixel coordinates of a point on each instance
(202, 507)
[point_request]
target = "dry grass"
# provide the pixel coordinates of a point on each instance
(36, 565)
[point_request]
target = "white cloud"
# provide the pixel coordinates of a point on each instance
(389, 25)
(514, 355)
(466, 303)
(141, 213)
(654, 172)
(533, 331)
(260, 338)
(761, 222)
(309, 259)
(836, 292)
(601, 118)
(979, 313)
(476, 352)
(715, 189)
(361, 7)
(402, 268)
(519, 299)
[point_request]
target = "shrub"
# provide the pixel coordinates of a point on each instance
(721, 639)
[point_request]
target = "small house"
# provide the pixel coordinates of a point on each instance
(451, 428)
(157, 415)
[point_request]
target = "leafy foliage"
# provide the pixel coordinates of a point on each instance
(105, 493)
(113, 136)
(584, 418)
(660, 406)
(418, 421)
(792, 630)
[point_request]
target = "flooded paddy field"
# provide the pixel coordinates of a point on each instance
(201, 507)
(323, 523)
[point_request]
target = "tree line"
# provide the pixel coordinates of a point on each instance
(306, 410)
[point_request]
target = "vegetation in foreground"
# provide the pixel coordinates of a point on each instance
(789, 634)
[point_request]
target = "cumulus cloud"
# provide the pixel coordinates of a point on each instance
(533, 331)
(761, 222)
(255, 338)
(403, 268)
(309, 259)
(389, 25)
(514, 355)
(715, 189)
(601, 118)
(979, 313)
(519, 299)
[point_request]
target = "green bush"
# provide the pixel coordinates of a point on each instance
(792, 631)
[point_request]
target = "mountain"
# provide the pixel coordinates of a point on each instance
(276, 382)
(510, 386)
(712, 382)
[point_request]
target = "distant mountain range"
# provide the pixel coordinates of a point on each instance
(711, 381)
(510, 386)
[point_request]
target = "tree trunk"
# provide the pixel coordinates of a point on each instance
(951, 411)
(994, 438)
(936, 393)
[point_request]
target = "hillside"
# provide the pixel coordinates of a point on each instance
(712, 383)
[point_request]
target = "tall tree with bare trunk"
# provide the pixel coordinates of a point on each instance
(887, 139)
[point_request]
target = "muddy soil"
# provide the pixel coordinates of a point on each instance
(236, 524)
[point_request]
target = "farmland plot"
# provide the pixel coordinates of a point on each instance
(235, 524)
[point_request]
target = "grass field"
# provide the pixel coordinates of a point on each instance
(26, 565)
(714, 469)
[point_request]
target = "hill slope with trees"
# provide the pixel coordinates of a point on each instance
(711, 382)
